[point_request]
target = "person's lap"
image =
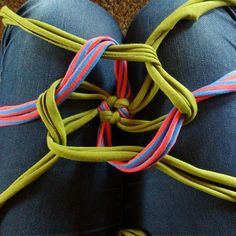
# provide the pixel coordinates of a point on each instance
(75, 198)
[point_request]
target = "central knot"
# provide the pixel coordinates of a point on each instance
(112, 109)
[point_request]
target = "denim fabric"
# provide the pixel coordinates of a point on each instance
(196, 53)
(94, 199)
(73, 198)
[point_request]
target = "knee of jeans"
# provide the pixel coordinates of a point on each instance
(82, 18)
(149, 17)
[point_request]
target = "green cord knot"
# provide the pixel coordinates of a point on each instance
(109, 109)
(115, 102)
(109, 116)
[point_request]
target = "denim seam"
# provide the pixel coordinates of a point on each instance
(5, 47)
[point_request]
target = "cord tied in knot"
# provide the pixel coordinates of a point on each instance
(107, 112)
(115, 102)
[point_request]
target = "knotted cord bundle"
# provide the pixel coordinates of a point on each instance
(119, 109)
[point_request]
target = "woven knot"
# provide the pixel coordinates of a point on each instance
(114, 102)
(112, 109)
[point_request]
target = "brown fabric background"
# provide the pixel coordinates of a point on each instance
(122, 10)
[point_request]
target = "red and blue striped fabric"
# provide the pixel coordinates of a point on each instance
(123, 91)
(80, 67)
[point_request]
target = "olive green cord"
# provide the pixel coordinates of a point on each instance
(131, 232)
(215, 184)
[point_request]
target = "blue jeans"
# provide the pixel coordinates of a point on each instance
(76, 198)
